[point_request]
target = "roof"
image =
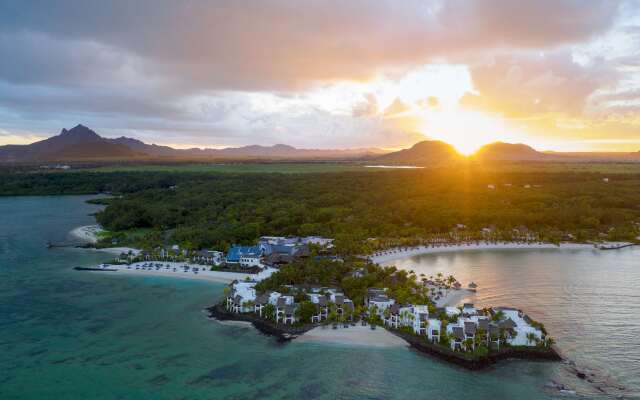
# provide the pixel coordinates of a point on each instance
(289, 309)
(236, 252)
(281, 302)
(483, 324)
(508, 324)
(470, 328)
(394, 309)
(458, 333)
(379, 299)
(339, 300)
(262, 299)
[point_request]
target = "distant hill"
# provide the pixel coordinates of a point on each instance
(82, 143)
(79, 142)
(500, 151)
(425, 152)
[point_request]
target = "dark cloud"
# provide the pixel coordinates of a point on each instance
(145, 64)
(266, 45)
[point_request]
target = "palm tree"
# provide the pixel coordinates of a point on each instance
(531, 337)
(468, 343)
(498, 316)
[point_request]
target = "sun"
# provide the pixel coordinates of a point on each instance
(465, 130)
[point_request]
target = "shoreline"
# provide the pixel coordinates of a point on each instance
(358, 335)
(382, 257)
(461, 359)
(202, 275)
(379, 338)
(87, 233)
(283, 333)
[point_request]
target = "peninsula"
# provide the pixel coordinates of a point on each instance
(287, 286)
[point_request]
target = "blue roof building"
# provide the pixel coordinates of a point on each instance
(235, 252)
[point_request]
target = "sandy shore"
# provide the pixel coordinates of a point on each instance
(118, 250)
(354, 335)
(453, 298)
(211, 276)
(396, 254)
(88, 233)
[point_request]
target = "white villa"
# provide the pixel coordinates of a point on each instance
(378, 299)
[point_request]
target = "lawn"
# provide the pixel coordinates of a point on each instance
(286, 168)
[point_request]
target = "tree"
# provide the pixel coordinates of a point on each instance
(305, 311)
(269, 312)
(531, 338)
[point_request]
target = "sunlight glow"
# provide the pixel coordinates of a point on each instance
(466, 130)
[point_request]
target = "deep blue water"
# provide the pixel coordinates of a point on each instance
(72, 335)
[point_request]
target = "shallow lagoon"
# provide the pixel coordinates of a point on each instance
(71, 335)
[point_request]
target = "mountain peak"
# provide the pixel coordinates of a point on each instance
(500, 151)
(424, 152)
(79, 131)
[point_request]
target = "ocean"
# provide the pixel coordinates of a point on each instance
(66, 334)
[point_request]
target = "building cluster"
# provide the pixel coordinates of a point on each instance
(464, 328)
(243, 298)
(272, 251)
(468, 327)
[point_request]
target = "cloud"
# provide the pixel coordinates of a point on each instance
(236, 72)
(288, 44)
(530, 85)
(398, 107)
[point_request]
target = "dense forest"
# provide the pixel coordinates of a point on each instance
(215, 210)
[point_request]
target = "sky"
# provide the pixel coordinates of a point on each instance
(558, 75)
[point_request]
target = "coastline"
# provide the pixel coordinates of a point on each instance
(382, 257)
(477, 363)
(358, 335)
(379, 338)
(87, 233)
(202, 275)
(282, 333)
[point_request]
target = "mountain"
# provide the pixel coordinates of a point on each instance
(500, 151)
(78, 143)
(425, 152)
(81, 143)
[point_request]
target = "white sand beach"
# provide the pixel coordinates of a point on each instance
(119, 250)
(396, 254)
(353, 335)
(88, 233)
(176, 270)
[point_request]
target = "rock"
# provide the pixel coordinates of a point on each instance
(581, 375)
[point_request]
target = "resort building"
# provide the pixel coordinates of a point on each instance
(237, 252)
(520, 326)
(208, 257)
(420, 319)
(378, 299)
(434, 329)
(250, 260)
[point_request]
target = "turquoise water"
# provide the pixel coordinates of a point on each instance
(77, 335)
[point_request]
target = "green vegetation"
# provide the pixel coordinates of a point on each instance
(397, 208)
(241, 168)
(402, 286)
